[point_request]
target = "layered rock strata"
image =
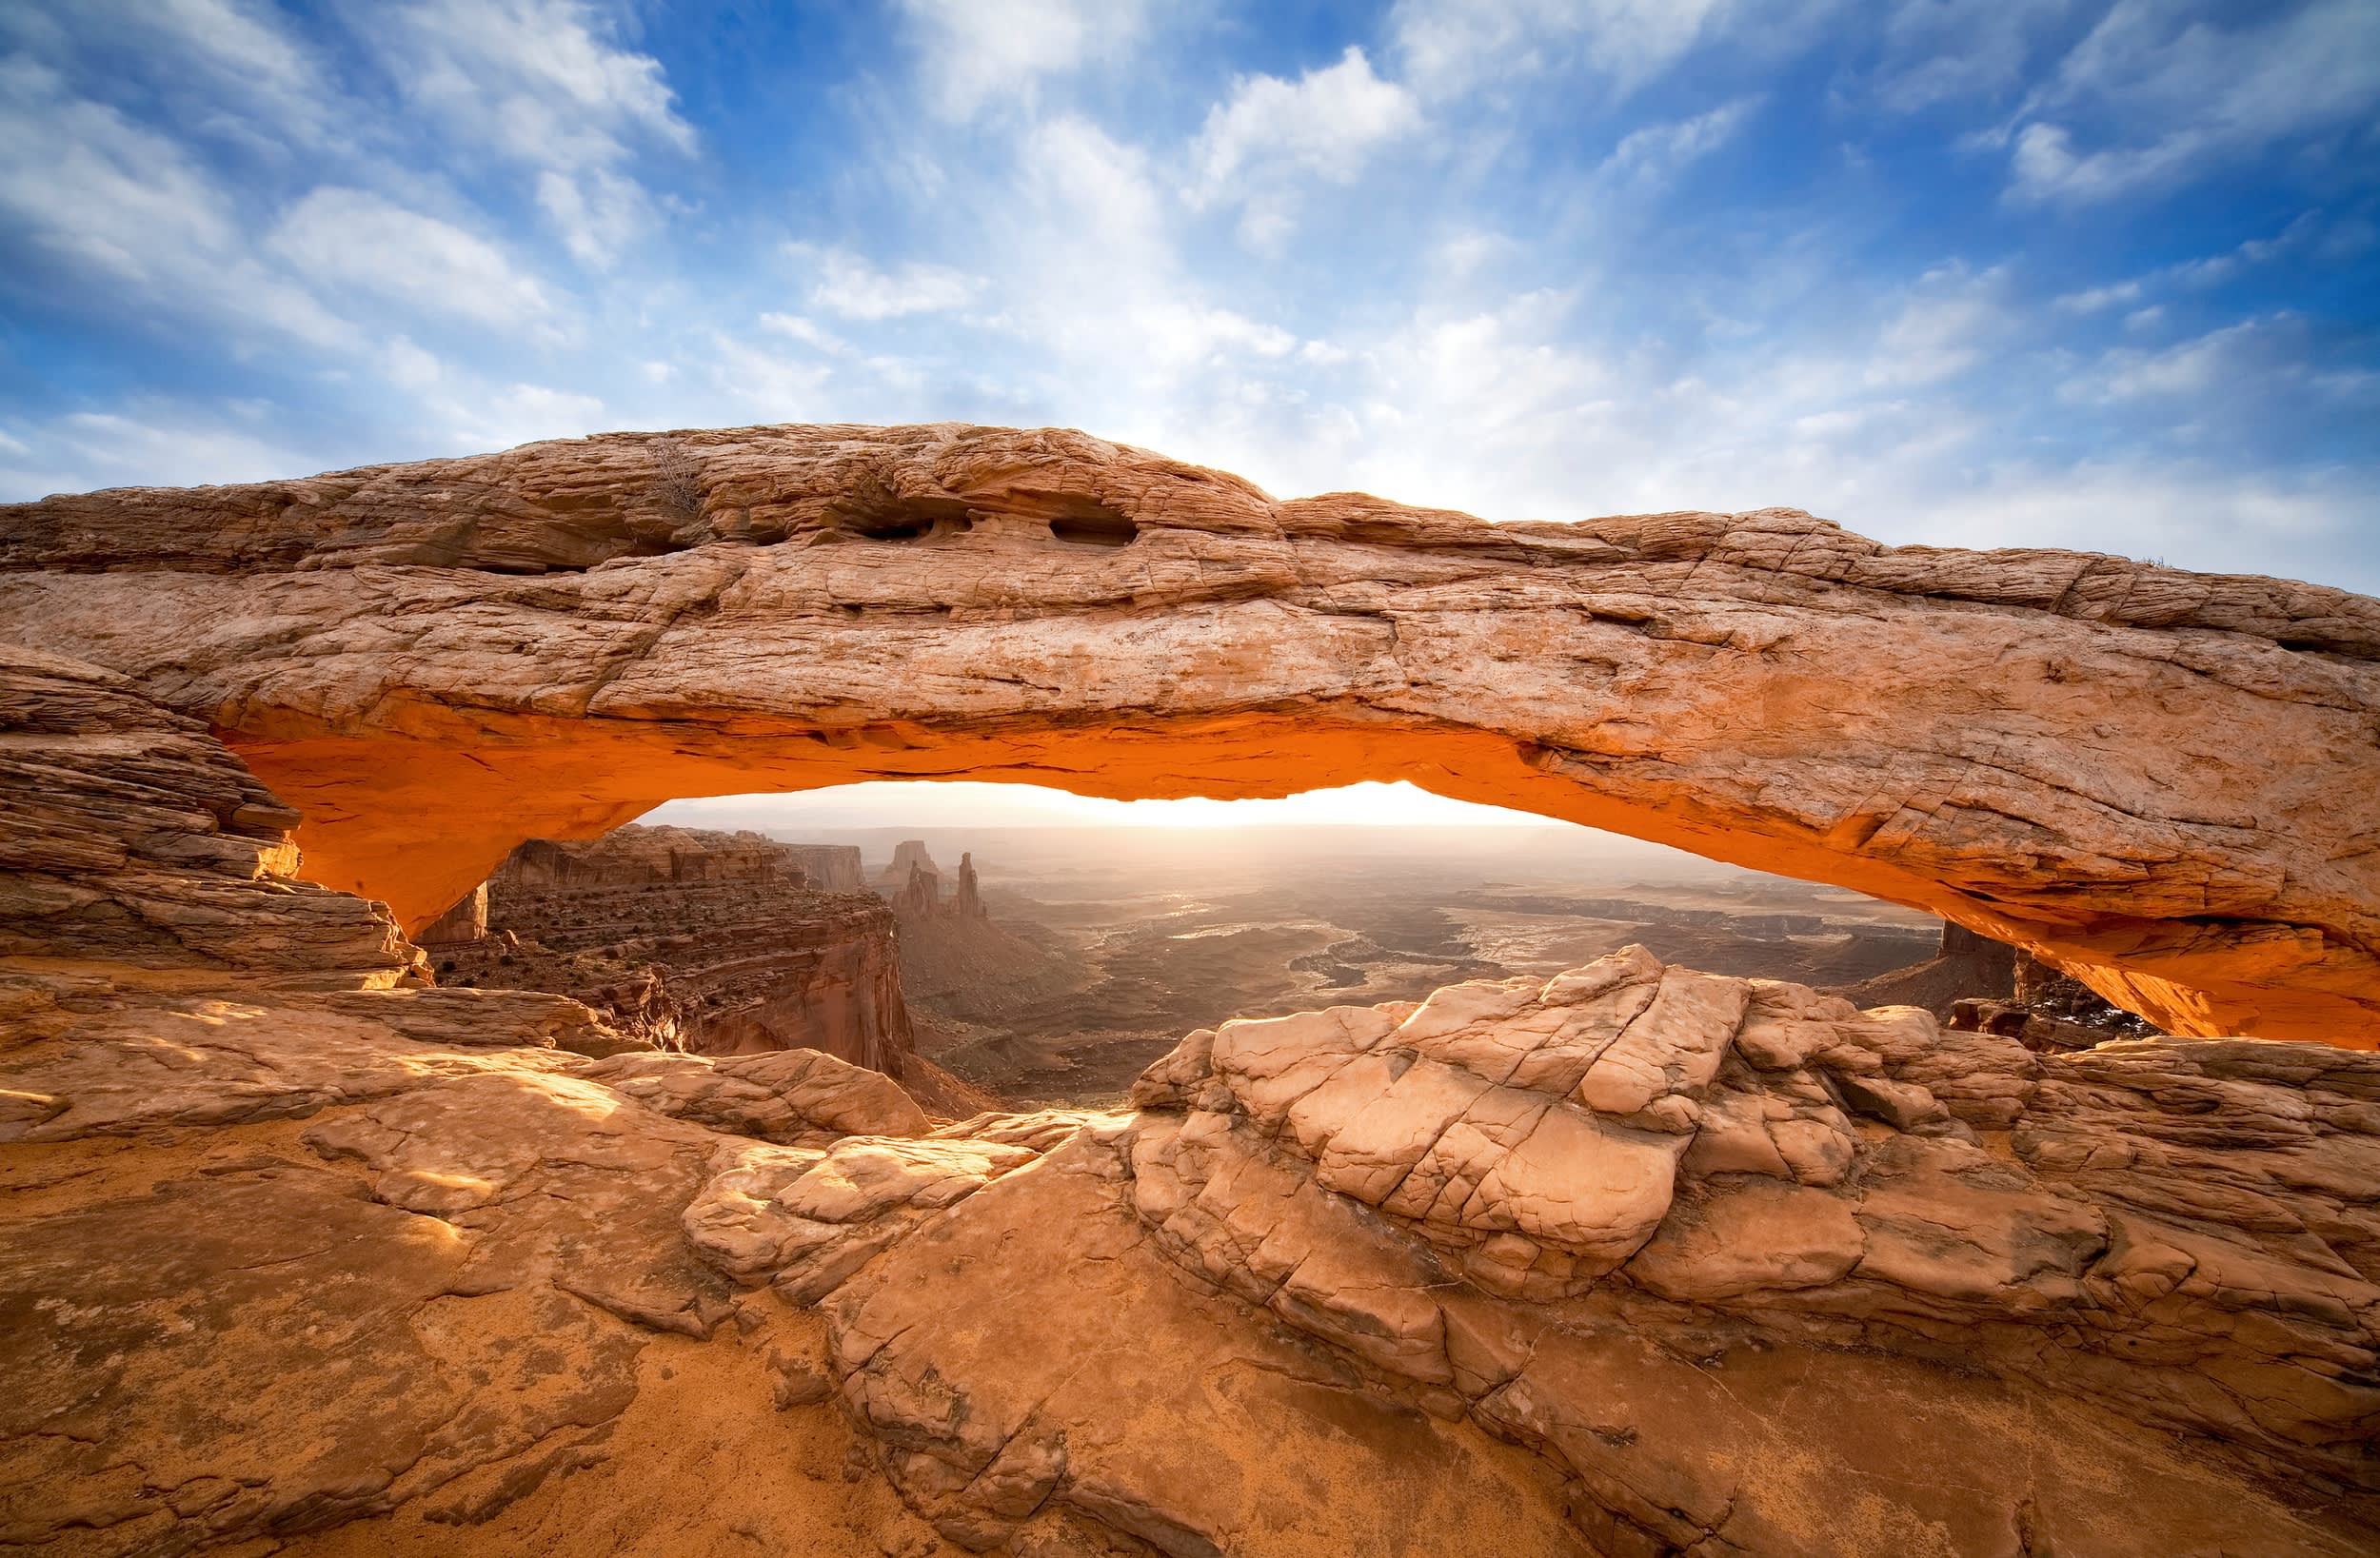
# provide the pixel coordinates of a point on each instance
(707, 941)
(2065, 752)
(1634, 1261)
(130, 840)
(1966, 967)
(831, 868)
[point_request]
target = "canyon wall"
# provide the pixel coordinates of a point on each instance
(713, 942)
(2159, 781)
(831, 868)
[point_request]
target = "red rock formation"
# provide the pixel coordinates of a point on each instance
(1631, 1260)
(459, 926)
(914, 883)
(641, 856)
(710, 942)
(919, 896)
(1967, 966)
(967, 902)
(2160, 782)
(129, 837)
(910, 860)
(831, 868)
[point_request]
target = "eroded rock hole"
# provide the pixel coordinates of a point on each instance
(1099, 527)
(894, 517)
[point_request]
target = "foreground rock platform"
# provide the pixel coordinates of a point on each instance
(2162, 782)
(1635, 1260)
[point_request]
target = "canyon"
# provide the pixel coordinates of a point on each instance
(711, 943)
(307, 1246)
(1101, 947)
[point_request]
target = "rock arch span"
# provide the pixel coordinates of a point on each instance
(2166, 783)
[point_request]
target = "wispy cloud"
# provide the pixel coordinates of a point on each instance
(849, 286)
(2158, 94)
(1270, 134)
(2210, 270)
(1450, 47)
(981, 54)
(88, 190)
(352, 238)
(545, 85)
(1940, 52)
(1951, 321)
(1649, 157)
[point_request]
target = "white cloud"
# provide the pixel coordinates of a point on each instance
(2264, 365)
(539, 82)
(1095, 269)
(780, 389)
(2091, 300)
(847, 285)
(142, 443)
(215, 65)
(1649, 157)
(95, 192)
(1950, 322)
(1943, 50)
(349, 238)
(534, 79)
(1449, 46)
(806, 332)
(524, 414)
(2182, 93)
(2213, 270)
(409, 367)
(1270, 132)
(596, 213)
(2191, 368)
(977, 54)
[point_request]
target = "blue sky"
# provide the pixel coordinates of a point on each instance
(2008, 272)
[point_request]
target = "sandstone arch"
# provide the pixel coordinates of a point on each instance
(2161, 781)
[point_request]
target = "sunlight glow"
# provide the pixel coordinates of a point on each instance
(930, 803)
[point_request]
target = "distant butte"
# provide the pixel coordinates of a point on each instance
(2163, 782)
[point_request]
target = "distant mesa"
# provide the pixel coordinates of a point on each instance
(914, 883)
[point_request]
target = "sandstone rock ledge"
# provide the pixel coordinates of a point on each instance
(1634, 1261)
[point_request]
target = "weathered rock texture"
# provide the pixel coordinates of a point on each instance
(713, 942)
(1968, 966)
(831, 868)
(2160, 782)
(131, 838)
(1632, 1261)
